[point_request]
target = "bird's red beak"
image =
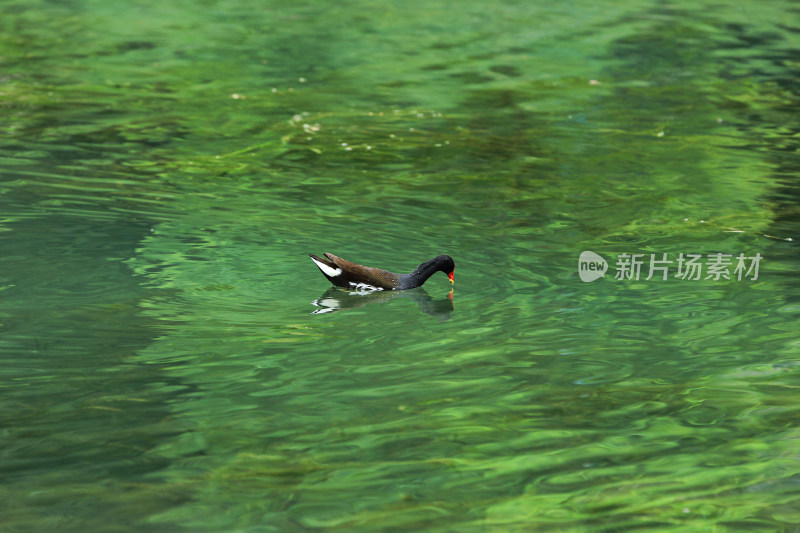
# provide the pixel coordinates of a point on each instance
(451, 275)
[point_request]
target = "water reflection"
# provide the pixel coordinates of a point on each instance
(337, 299)
(157, 373)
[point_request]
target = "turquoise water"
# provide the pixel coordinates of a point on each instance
(165, 168)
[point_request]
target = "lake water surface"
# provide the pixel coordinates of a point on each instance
(166, 167)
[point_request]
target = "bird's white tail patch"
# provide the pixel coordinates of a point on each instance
(328, 271)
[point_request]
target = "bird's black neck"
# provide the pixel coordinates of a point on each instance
(421, 274)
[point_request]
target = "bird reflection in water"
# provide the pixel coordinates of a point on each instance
(336, 299)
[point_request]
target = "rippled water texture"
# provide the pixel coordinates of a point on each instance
(170, 359)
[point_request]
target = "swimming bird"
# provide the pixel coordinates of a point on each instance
(350, 275)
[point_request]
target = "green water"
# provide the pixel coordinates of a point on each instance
(166, 167)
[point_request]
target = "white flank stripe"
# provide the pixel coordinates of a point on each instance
(364, 287)
(328, 271)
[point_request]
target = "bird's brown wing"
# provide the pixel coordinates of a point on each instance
(355, 274)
